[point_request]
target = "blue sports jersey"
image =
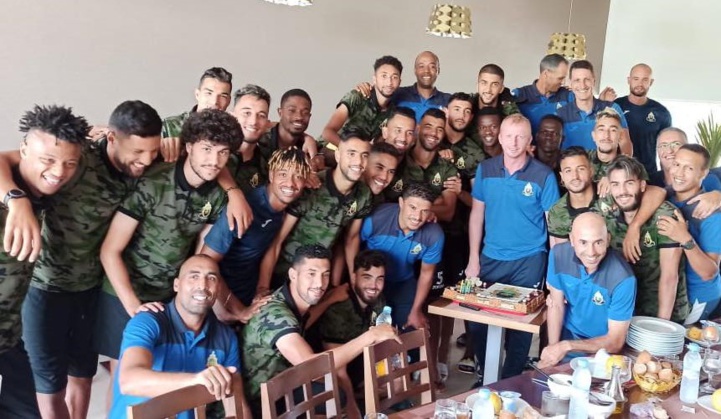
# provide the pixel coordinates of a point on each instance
(592, 300)
(644, 124)
(175, 348)
(534, 106)
(578, 125)
(381, 231)
(409, 97)
(515, 219)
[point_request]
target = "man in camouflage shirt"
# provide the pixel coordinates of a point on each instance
(357, 113)
(273, 340)
(50, 154)
(320, 215)
(154, 229)
(381, 168)
(492, 94)
(661, 282)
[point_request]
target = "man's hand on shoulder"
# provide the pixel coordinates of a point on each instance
(253, 309)
(154, 306)
(217, 379)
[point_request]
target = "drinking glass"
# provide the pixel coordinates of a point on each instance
(553, 405)
(711, 366)
(446, 406)
(463, 411)
(709, 337)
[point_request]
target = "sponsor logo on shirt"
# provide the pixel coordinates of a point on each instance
(266, 222)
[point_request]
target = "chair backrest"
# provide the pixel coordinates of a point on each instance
(195, 397)
(302, 376)
(397, 385)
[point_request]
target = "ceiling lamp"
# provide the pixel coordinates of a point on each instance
(292, 2)
(450, 21)
(570, 45)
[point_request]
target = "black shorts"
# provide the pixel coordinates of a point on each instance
(17, 395)
(109, 325)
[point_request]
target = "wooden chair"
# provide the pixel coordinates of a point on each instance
(301, 376)
(398, 385)
(195, 397)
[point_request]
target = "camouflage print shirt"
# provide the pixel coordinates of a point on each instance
(76, 222)
(562, 214)
(172, 125)
(268, 143)
(467, 155)
(600, 168)
(648, 269)
(170, 213)
(346, 320)
(249, 174)
(322, 214)
(261, 358)
(14, 279)
(437, 172)
(364, 114)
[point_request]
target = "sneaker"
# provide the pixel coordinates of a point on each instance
(461, 340)
(467, 366)
(442, 372)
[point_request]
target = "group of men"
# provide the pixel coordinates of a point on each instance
(154, 237)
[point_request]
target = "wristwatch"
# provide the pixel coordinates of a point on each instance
(688, 245)
(14, 194)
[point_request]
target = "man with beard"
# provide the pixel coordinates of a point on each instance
(365, 115)
(549, 137)
(661, 282)
(491, 92)
(320, 215)
(606, 135)
(579, 116)
(511, 194)
(213, 92)
(154, 229)
(239, 258)
(345, 320)
(399, 132)
(381, 168)
(274, 339)
(646, 117)
(50, 153)
(592, 292)
(157, 356)
(546, 94)
(488, 125)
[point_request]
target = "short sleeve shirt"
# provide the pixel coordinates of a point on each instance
(262, 359)
(437, 172)
(250, 174)
(346, 320)
(381, 231)
(562, 214)
(648, 268)
(409, 97)
(600, 169)
(322, 214)
(534, 106)
(175, 348)
(364, 115)
(578, 125)
(644, 124)
(269, 143)
(171, 214)
(592, 299)
(77, 219)
(173, 125)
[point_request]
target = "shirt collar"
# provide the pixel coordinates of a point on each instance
(287, 297)
(179, 325)
(182, 181)
(103, 146)
(333, 189)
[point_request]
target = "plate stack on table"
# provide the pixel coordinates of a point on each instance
(657, 336)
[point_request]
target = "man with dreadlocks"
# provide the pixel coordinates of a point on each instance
(240, 258)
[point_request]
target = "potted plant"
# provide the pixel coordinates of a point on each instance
(708, 133)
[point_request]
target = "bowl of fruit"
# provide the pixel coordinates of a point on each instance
(655, 375)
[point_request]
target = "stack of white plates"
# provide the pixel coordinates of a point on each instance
(657, 336)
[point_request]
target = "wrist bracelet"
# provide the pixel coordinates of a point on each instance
(231, 189)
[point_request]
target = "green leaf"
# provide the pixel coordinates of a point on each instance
(708, 133)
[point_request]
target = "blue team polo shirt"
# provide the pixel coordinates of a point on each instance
(175, 348)
(381, 231)
(515, 219)
(644, 124)
(534, 106)
(709, 183)
(607, 294)
(578, 125)
(409, 97)
(240, 266)
(707, 234)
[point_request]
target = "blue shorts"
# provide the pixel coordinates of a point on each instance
(17, 397)
(109, 325)
(57, 331)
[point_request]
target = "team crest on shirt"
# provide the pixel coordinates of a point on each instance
(398, 187)
(254, 181)
(528, 189)
(598, 299)
(436, 179)
(648, 241)
(651, 117)
(558, 106)
(374, 316)
(352, 209)
(205, 211)
(416, 250)
(605, 208)
(461, 163)
(212, 360)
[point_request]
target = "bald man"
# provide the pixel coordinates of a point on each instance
(646, 117)
(592, 294)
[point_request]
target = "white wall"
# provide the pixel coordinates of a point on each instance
(94, 54)
(679, 40)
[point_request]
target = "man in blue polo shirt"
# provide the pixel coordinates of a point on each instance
(579, 115)
(592, 293)
(546, 94)
(401, 230)
(178, 344)
(511, 194)
(239, 258)
(423, 95)
(700, 238)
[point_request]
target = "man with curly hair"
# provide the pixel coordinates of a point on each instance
(154, 229)
(49, 156)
